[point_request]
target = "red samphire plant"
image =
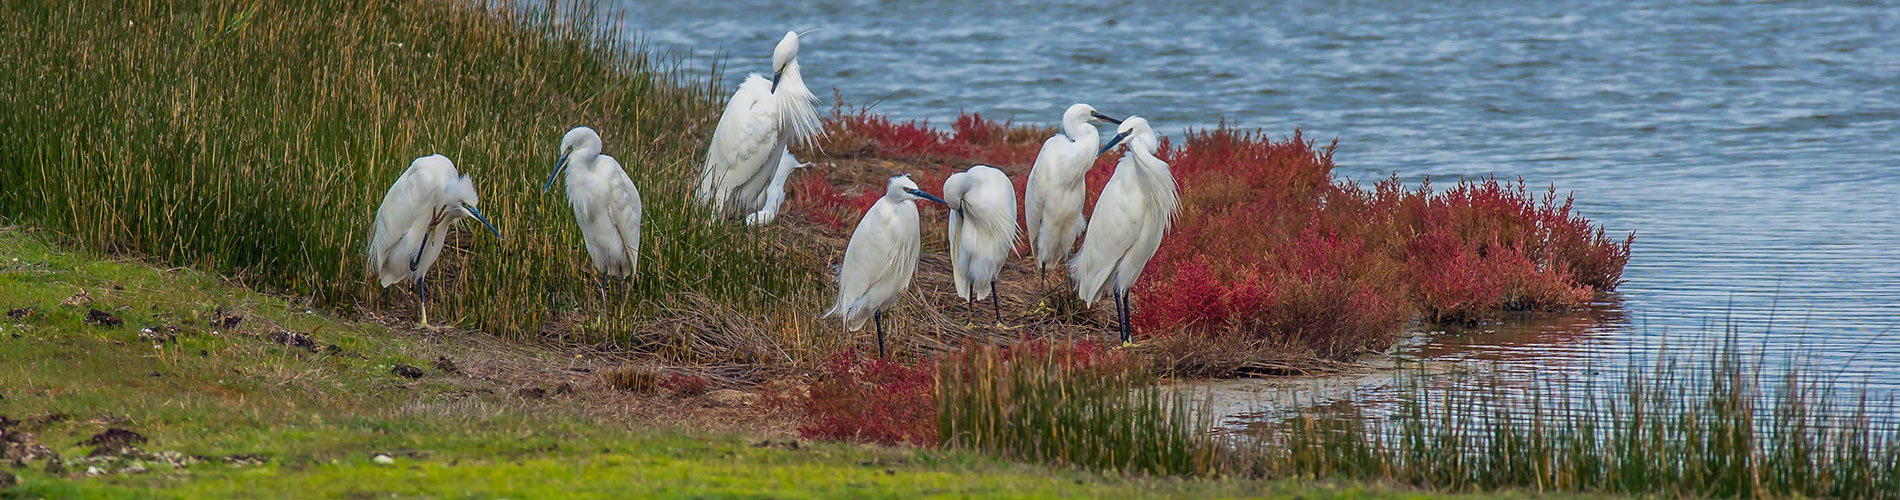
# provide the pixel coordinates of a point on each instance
(872, 401)
(1268, 246)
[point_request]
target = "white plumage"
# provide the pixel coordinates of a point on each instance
(1058, 184)
(414, 219)
(882, 256)
(775, 192)
(1134, 211)
(763, 117)
(982, 229)
(606, 204)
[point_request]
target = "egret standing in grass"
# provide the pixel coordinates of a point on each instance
(414, 221)
(763, 117)
(1134, 211)
(982, 205)
(881, 258)
(775, 192)
(605, 202)
(1058, 184)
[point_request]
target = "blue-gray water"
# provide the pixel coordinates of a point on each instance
(1753, 147)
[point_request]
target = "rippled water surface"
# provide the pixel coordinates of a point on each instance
(1753, 147)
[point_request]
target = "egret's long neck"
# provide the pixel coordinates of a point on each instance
(790, 74)
(1079, 130)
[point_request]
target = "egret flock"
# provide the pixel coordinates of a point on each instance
(744, 174)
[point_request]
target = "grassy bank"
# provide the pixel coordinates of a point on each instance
(251, 417)
(256, 138)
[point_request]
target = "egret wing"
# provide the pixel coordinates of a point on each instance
(1112, 231)
(746, 136)
(401, 222)
(873, 258)
(626, 214)
(1038, 178)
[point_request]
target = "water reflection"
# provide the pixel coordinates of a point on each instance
(1552, 359)
(1517, 350)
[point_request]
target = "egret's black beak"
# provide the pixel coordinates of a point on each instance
(775, 77)
(1112, 142)
(1106, 118)
(921, 194)
(559, 165)
(484, 220)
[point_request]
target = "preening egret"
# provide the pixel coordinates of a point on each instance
(881, 258)
(775, 192)
(606, 204)
(762, 118)
(414, 220)
(982, 205)
(1052, 203)
(1134, 211)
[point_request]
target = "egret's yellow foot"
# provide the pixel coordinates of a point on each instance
(999, 325)
(424, 323)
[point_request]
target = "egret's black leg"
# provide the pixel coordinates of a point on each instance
(417, 259)
(422, 298)
(996, 301)
(1121, 303)
(878, 317)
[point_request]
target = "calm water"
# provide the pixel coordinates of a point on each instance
(1754, 147)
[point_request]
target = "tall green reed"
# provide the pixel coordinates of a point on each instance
(1073, 405)
(257, 138)
(1725, 425)
(1713, 420)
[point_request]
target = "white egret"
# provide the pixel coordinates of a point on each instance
(763, 117)
(775, 192)
(1135, 210)
(881, 257)
(605, 202)
(982, 205)
(1058, 184)
(414, 221)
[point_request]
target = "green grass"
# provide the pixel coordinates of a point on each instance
(1072, 405)
(1714, 421)
(256, 139)
(320, 417)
